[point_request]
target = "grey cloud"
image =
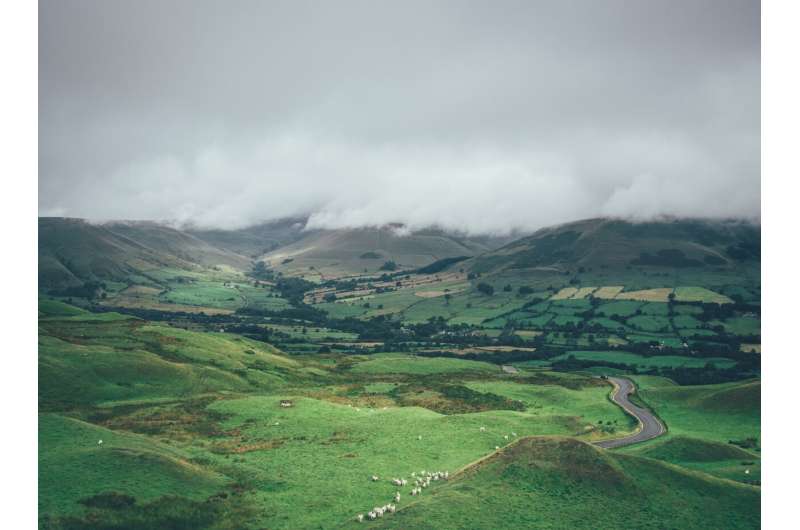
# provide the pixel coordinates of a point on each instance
(480, 116)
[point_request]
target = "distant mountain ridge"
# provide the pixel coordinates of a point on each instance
(615, 243)
(73, 251)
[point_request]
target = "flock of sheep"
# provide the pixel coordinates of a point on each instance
(421, 481)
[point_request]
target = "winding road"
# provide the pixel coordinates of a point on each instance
(650, 426)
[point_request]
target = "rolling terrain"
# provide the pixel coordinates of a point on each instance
(183, 385)
(610, 244)
(330, 254)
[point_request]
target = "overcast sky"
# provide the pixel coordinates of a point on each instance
(481, 116)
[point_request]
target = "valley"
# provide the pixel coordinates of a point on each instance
(260, 378)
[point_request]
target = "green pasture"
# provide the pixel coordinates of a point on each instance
(642, 362)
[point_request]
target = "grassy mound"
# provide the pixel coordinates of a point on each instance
(682, 449)
(740, 398)
(94, 358)
(564, 483)
(75, 465)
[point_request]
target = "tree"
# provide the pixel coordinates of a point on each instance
(486, 289)
(389, 266)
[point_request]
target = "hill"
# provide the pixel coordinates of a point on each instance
(74, 251)
(346, 252)
(89, 358)
(618, 244)
(255, 240)
(549, 482)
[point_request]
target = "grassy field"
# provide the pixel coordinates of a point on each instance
(730, 411)
(562, 483)
(407, 364)
(104, 357)
(632, 359)
(702, 422)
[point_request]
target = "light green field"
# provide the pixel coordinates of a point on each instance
(408, 364)
(730, 411)
(589, 403)
(649, 323)
(328, 451)
(88, 360)
(741, 325)
(661, 361)
(700, 294)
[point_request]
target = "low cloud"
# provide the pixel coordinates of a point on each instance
(466, 116)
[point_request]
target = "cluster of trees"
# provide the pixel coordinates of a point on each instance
(91, 290)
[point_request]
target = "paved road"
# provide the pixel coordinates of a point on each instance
(651, 426)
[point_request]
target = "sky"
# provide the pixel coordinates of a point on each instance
(478, 116)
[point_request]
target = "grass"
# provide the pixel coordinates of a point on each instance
(324, 453)
(660, 294)
(730, 411)
(554, 483)
(86, 359)
(716, 458)
(409, 364)
(621, 308)
(700, 294)
(640, 361)
(588, 403)
(649, 323)
(73, 465)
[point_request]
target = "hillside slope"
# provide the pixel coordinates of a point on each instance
(334, 253)
(74, 251)
(88, 358)
(255, 240)
(554, 483)
(617, 244)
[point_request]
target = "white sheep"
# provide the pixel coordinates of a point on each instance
(483, 429)
(372, 515)
(514, 434)
(397, 497)
(496, 447)
(375, 478)
(392, 508)
(360, 518)
(403, 482)
(506, 437)
(99, 442)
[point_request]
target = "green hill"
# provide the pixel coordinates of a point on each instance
(564, 483)
(87, 358)
(254, 241)
(334, 253)
(105, 460)
(610, 243)
(74, 251)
